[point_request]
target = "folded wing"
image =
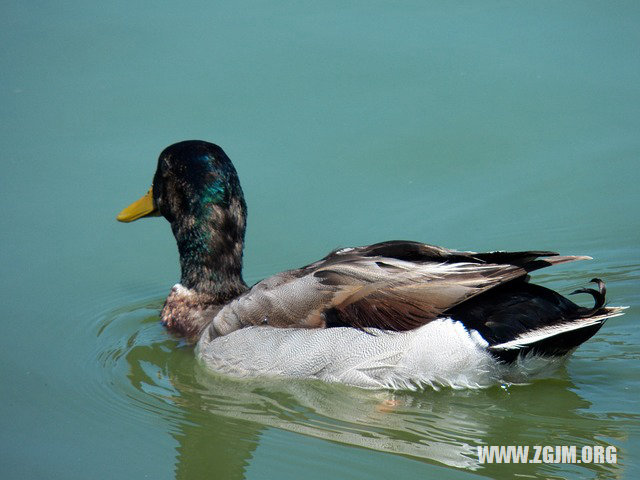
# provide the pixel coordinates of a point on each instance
(393, 285)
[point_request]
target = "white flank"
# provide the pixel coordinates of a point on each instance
(441, 353)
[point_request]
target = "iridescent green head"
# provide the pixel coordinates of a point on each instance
(196, 188)
(193, 176)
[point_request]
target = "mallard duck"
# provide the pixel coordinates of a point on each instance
(397, 314)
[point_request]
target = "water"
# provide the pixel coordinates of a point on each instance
(493, 125)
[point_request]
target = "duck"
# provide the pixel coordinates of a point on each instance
(396, 314)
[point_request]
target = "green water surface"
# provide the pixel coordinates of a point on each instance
(474, 125)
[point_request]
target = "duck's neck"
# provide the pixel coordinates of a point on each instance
(211, 263)
(215, 270)
(211, 251)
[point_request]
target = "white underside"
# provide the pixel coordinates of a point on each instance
(441, 353)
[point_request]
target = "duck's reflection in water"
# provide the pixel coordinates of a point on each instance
(218, 422)
(443, 427)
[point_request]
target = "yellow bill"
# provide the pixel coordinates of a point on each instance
(138, 209)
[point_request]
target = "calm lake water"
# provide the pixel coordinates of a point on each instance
(474, 125)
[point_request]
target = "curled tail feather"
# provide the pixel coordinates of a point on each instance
(598, 295)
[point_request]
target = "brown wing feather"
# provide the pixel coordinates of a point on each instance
(422, 252)
(392, 285)
(408, 300)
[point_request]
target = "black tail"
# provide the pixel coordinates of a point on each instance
(519, 318)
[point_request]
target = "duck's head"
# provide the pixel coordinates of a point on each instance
(191, 177)
(196, 188)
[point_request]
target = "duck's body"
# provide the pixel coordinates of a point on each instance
(402, 315)
(394, 314)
